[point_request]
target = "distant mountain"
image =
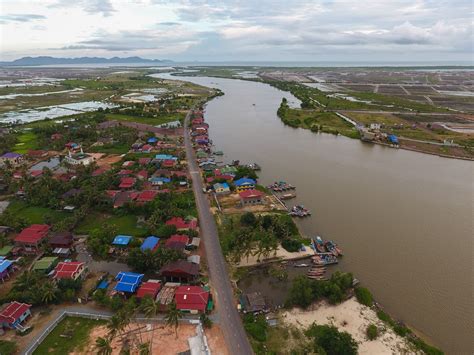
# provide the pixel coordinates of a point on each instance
(45, 60)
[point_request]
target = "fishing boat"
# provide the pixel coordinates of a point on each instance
(299, 211)
(287, 196)
(319, 278)
(218, 152)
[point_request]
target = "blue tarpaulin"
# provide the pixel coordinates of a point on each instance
(393, 139)
(103, 285)
(150, 243)
(128, 281)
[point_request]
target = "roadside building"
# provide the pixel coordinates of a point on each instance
(12, 158)
(71, 270)
(181, 224)
(31, 238)
(149, 288)
(253, 302)
(61, 240)
(251, 197)
(244, 184)
(177, 242)
(150, 243)
(222, 188)
(180, 271)
(193, 299)
(14, 314)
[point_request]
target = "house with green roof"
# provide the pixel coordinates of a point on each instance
(45, 264)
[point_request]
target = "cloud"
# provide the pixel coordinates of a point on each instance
(103, 7)
(20, 18)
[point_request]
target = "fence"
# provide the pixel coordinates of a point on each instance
(32, 347)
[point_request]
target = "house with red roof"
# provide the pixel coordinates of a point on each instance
(181, 224)
(70, 270)
(251, 197)
(14, 314)
(31, 238)
(193, 299)
(144, 161)
(169, 163)
(146, 196)
(127, 183)
(149, 288)
(124, 172)
(99, 171)
(180, 271)
(142, 174)
(147, 148)
(177, 242)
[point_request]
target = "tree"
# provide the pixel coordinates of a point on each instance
(150, 309)
(301, 293)
(49, 292)
(103, 346)
(173, 316)
(331, 340)
(115, 326)
(248, 219)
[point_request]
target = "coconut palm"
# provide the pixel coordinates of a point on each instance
(49, 292)
(143, 349)
(115, 325)
(150, 308)
(173, 316)
(103, 346)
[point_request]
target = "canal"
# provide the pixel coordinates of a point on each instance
(404, 219)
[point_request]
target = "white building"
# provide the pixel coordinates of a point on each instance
(79, 158)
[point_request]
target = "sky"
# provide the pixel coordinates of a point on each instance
(240, 30)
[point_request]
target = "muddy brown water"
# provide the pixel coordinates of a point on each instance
(404, 219)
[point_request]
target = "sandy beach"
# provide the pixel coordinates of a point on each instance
(352, 317)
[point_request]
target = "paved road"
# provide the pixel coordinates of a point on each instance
(230, 322)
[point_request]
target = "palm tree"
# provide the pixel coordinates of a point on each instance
(143, 349)
(173, 316)
(103, 346)
(115, 325)
(150, 308)
(48, 292)
(25, 281)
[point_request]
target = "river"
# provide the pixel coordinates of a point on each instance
(404, 219)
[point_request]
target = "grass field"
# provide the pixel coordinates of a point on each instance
(26, 141)
(70, 335)
(35, 215)
(125, 224)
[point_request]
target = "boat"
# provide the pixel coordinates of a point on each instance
(319, 278)
(302, 265)
(299, 211)
(287, 196)
(218, 152)
(254, 166)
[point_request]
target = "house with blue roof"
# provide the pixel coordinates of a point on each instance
(152, 140)
(162, 157)
(6, 266)
(122, 240)
(150, 243)
(128, 282)
(244, 184)
(222, 189)
(159, 180)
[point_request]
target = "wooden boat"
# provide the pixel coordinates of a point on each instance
(287, 196)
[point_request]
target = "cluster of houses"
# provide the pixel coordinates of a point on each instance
(221, 179)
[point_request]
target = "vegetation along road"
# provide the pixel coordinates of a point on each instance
(230, 321)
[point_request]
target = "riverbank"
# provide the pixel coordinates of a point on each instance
(354, 318)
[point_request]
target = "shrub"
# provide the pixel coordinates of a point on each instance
(364, 296)
(331, 340)
(372, 332)
(256, 327)
(291, 245)
(8, 347)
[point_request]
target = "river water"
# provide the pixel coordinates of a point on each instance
(404, 219)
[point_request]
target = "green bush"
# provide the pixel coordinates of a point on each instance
(364, 296)
(256, 327)
(331, 340)
(372, 332)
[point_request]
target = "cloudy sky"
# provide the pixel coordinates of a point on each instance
(240, 30)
